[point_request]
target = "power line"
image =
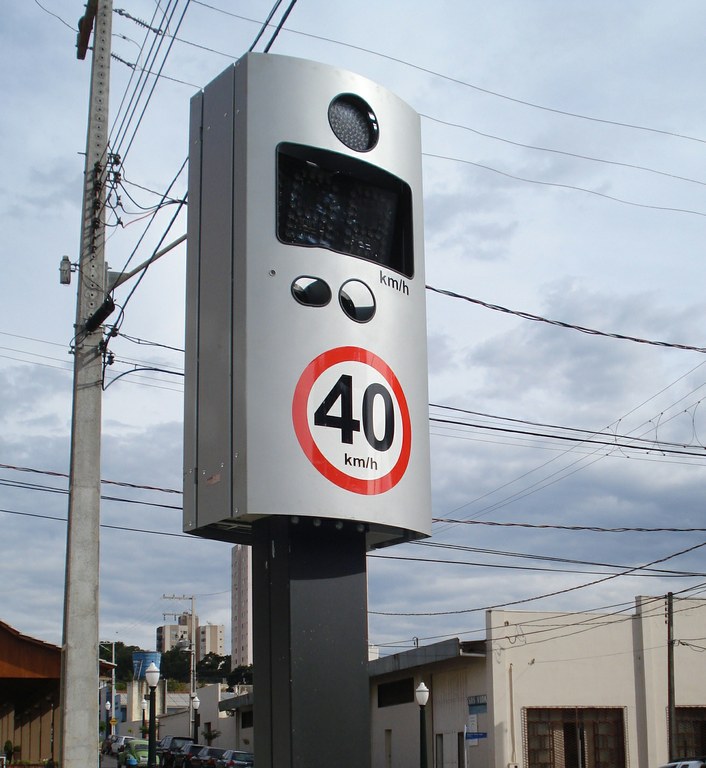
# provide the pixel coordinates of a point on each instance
(540, 597)
(141, 84)
(264, 25)
(120, 483)
(51, 13)
(556, 526)
(575, 155)
(461, 126)
(559, 527)
(562, 324)
(572, 187)
(436, 561)
(464, 83)
(124, 120)
(279, 26)
(587, 437)
(590, 440)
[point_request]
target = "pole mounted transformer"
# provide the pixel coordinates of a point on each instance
(306, 403)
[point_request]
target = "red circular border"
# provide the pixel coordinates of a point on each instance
(301, 422)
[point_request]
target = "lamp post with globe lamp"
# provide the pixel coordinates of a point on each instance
(422, 696)
(196, 703)
(143, 707)
(152, 677)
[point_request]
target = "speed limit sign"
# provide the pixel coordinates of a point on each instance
(352, 420)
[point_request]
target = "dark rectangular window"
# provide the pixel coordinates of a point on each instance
(581, 737)
(246, 719)
(691, 731)
(396, 692)
(343, 204)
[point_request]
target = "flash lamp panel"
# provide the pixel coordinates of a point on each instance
(343, 204)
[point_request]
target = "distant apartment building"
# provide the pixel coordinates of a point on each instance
(169, 635)
(241, 607)
(210, 640)
(209, 637)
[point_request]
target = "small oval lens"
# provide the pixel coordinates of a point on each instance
(311, 291)
(357, 301)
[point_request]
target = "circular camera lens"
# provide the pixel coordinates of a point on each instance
(311, 291)
(357, 301)
(353, 122)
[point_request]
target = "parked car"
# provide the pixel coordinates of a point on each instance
(119, 744)
(135, 748)
(234, 758)
(207, 757)
(182, 757)
(169, 746)
(695, 763)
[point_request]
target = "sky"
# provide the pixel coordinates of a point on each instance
(563, 158)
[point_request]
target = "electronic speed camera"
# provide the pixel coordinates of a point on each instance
(306, 364)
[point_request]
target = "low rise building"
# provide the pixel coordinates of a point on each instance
(549, 690)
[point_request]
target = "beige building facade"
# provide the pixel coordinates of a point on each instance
(241, 607)
(549, 690)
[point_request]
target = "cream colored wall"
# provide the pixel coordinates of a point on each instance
(446, 714)
(557, 660)
(689, 666)
(451, 690)
(403, 722)
(595, 660)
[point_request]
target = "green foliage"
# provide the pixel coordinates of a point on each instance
(210, 735)
(123, 659)
(212, 667)
(175, 665)
(240, 676)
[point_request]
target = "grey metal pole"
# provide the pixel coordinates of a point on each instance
(422, 738)
(152, 737)
(196, 727)
(79, 678)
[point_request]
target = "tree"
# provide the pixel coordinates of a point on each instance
(175, 665)
(240, 676)
(212, 667)
(123, 659)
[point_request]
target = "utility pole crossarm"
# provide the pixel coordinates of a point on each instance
(85, 27)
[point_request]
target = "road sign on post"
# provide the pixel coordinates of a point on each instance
(306, 368)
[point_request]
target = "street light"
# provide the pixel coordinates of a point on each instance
(152, 677)
(107, 717)
(422, 696)
(143, 707)
(196, 703)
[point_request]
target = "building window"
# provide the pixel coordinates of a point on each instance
(396, 692)
(581, 737)
(439, 757)
(691, 731)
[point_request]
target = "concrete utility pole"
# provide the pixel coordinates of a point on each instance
(671, 701)
(79, 673)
